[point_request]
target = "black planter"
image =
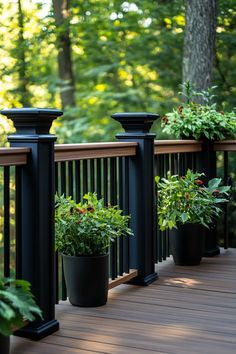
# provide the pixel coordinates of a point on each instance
(187, 244)
(86, 279)
(4, 344)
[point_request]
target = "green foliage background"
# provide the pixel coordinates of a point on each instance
(127, 56)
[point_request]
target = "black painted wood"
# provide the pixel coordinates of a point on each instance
(206, 163)
(141, 193)
(18, 219)
(37, 212)
(226, 182)
(6, 231)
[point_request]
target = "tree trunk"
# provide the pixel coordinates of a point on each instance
(199, 42)
(21, 49)
(67, 89)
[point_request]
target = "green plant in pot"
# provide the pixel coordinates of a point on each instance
(84, 232)
(17, 305)
(200, 121)
(188, 207)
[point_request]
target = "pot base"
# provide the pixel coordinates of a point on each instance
(5, 344)
(187, 244)
(86, 280)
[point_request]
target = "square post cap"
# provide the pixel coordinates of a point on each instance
(32, 120)
(135, 122)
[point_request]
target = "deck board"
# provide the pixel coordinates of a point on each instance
(187, 310)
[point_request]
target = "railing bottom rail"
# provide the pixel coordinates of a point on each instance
(123, 278)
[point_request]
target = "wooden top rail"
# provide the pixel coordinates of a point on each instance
(69, 152)
(13, 156)
(175, 146)
(225, 145)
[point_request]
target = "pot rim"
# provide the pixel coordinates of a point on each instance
(92, 256)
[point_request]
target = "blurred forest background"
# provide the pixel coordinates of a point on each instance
(93, 58)
(98, 57)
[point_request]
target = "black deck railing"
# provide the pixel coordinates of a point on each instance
(227, 171)
(121, 173)
(11, 161)
(176, 157)
(103, 169)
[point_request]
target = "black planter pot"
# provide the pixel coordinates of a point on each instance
(187, 244)
(4, 344)
(86, 279)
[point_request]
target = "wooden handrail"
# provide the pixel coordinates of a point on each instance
(13, 156)
(69, 152)
(175, 146)
(225, 145)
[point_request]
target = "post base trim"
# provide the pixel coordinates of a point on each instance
(38, 331)
(211, 252)
(143, 281)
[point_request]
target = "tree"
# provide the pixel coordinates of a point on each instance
(199, 42)
(62, 19)
(224, 72)
(21, 62)
(127, 56)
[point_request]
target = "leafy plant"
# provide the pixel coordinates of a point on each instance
(17, 304)
(87, 228)
(199, 121)
(185, 199)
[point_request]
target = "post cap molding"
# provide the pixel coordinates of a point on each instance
(32, 120)
(134, 122)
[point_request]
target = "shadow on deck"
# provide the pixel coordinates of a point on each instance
(188, 310)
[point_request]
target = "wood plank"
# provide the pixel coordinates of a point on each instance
(122, 279)
(188, 310)
(13, 156)
(225, 145)
(176, 146)
(24, 346)
(69, 152)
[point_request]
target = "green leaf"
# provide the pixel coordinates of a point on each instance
(184, 217)
(224, 189)
(214, 183)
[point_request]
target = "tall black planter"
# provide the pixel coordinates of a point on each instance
(4, 344)
(86, 279)
(187, 244)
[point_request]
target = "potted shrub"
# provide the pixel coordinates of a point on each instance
(192, 120)
(83, 233)
(189, 207)
(17, 305)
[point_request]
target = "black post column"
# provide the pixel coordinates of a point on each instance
(35, 232)
(206, 162)
(142, 204)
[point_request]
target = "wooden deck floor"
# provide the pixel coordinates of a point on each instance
(188, 310)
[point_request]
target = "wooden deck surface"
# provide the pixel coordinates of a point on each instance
(187, 310)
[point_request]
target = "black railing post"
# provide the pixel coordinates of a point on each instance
(142, 206)
(206, 162)
(36, 205)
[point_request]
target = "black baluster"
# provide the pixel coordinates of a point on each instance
(77, 182)
(6, 221)
(18, 218)
(63, 178)
(70, 179)
(85, 177)
(105, 181)
(92, 180)
(121, 206)
(99, 179)
(113, 200)
(226, 181)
